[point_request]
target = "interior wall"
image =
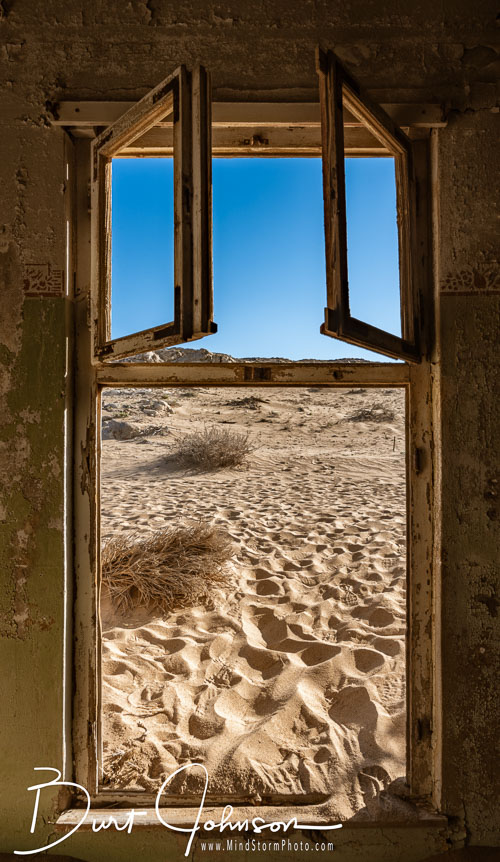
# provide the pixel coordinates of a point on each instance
(114, 50)
(469, 327)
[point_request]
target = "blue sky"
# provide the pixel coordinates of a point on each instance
(269, 253)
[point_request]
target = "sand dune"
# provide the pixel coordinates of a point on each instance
(292, 684)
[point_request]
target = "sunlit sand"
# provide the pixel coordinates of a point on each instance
(289, 682)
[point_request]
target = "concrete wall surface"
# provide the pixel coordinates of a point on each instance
(117, 50)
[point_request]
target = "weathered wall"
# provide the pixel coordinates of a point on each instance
(113, 50)
(470, 326)
(33, 396)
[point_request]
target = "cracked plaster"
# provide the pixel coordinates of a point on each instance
(118, 50)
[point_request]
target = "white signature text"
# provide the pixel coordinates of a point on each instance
(257, 824)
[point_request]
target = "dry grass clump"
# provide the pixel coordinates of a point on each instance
(166, 570)
(253, 402)
(376, 413)
(214, 448)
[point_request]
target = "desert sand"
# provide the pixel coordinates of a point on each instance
(292, 684)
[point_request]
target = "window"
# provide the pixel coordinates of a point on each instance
(176, 118)
(181, 104)
(250, 130)
(341, 97)
(286, 679)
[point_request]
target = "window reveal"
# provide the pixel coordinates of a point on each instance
(198, 252)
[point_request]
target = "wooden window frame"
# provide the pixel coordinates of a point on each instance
(95, 375)
(339, 92)
(185, 97)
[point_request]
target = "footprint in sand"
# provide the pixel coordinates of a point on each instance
(323, 755)
(231, 706)
(389, 646)
(262, 574)
(272, 629)
(372, 781)
(392, 691)
(176, 664)
(291, 566)
(112, 707)
(276, 634)
(319, 653)
(299, 632)
(205, 722)
(149, 696)
(266, 663)
(219, 649)
(352, 705)
(378, 617)
(381, 618)
(221, 675)
(298, 672)
(367, 660)
(269, 587)
(156, 767)
(374, 576)
(119, 668)
(309, 726)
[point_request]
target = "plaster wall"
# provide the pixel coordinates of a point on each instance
(118, 50)
(469, 330)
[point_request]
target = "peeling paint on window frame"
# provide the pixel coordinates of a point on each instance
(423, 731)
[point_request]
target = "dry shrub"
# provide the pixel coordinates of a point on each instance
(214, 448)
(377, 413)
(253, 402)
(166, 570)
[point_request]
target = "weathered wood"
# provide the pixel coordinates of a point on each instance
(86, 707)
(183, 206)
(159, 103)
(185, 817)
(332, 130)
(423, 502)
(192, 203)
(338, 90)
(421, 248)
(383, 128)
(260, 141)
(105, 180)
(413, 113)
(420, 505)
(67, 693)
(357, 104)
(154, 107)
(202, 204)
(422, 663)
(164, 335)
(363, 334)
(239, 373)
(85, 504)
(405, 207)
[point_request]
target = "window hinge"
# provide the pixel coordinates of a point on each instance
(418, 459)
(257, 373)
(424, 728)
(256, 141)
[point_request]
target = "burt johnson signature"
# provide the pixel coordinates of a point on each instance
(258, 824)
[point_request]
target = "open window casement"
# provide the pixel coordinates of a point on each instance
(182, 103)
(345, 107)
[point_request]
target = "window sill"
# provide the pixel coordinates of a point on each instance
(317, 817)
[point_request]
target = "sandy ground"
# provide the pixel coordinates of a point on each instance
(292, 685)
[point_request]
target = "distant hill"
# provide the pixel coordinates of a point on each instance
(201, 354)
